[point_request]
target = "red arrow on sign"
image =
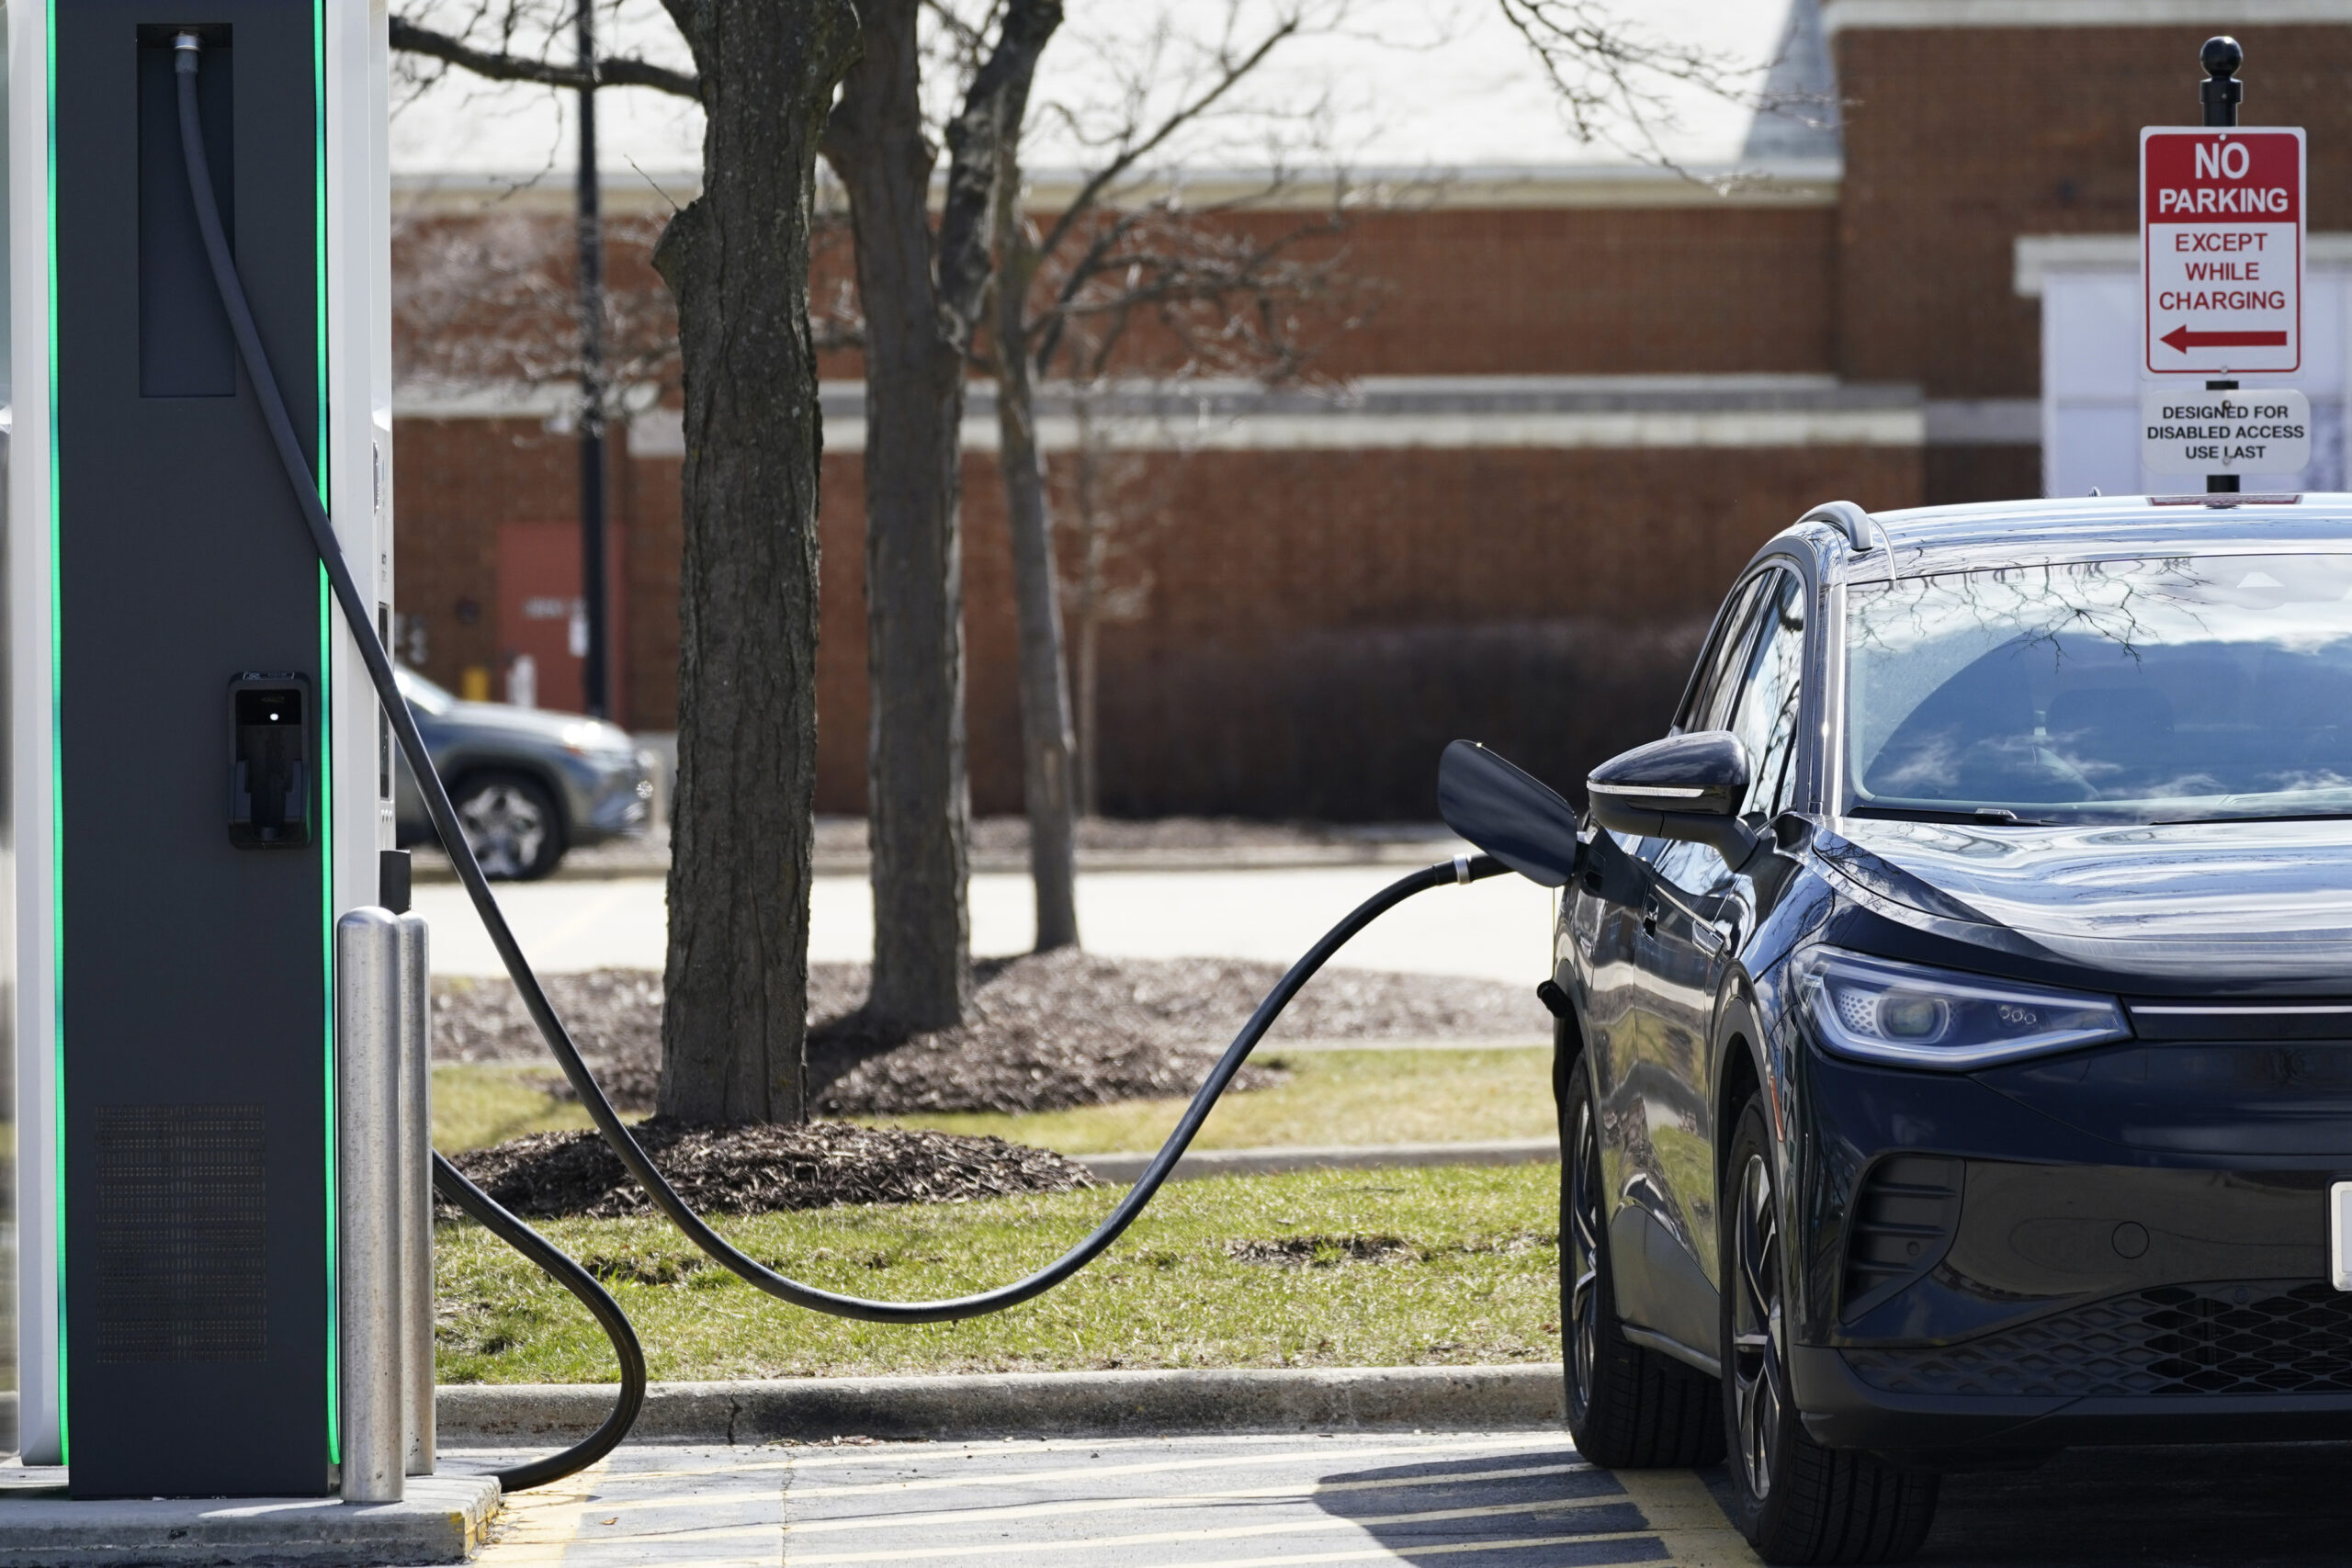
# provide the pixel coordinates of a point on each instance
(2180, 340)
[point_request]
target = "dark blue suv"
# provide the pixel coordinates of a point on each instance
(1955, 1009)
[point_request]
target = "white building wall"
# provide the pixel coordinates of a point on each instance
(2091, 378)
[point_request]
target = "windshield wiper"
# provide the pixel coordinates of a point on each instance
(1977, 817)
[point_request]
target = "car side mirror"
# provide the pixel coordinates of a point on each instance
(1685, 787)
(1512, 816)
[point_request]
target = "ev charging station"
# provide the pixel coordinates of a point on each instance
(199, 779)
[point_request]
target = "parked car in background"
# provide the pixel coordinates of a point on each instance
(527, 785)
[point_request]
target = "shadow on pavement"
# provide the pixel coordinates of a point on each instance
(2273, 1505)
(1432, 1511)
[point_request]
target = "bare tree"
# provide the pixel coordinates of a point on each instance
(1619, 82)
(736, 260)
(922, 297)
(1218, 292)
(1111, 512)
(488, 300)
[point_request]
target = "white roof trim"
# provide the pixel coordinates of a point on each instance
(1837, 16)
(2038, 256)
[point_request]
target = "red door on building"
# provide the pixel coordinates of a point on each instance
(542, 616)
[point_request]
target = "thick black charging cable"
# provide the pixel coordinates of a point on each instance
(616, 1132)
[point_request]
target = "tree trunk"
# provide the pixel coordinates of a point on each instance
(1092, 548)
(1045, 745)
(918, 797)
(734, 1029)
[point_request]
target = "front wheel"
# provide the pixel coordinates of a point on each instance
(1795, 1501)
(511, 823)
(1629, 1407)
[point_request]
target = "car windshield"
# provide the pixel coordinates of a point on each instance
(2181, 689)
(422, 694)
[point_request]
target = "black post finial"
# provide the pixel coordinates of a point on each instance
(2222, 90)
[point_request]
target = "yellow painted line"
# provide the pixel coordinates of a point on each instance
(1182, 1500)
(1686, 1516)
(1226, 1462)
(1225, 1532)
(528, 1522)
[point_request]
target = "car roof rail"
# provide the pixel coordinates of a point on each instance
(1852, 519)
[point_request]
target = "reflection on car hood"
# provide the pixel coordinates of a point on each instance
(2236, 900)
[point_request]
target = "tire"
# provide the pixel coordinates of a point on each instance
(1629, 1407)
(1795, 1501)
(512, 824)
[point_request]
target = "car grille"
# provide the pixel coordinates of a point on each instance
(2238, 1337)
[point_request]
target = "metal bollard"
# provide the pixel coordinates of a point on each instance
(416, 1188)
(367, 983)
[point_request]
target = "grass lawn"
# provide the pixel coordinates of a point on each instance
(1333, 1096)
(478, 1104)
(1443, 1266)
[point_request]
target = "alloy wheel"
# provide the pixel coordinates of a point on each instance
(506, 828)
(1583, 1242)
(1757, 1328)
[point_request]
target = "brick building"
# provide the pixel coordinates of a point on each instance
(1587, 393)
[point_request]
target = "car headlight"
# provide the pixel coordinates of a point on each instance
(1904, 1015)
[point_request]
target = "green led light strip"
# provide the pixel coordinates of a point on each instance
(56, 727)
(326, 732)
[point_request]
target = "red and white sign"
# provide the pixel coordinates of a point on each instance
(2222, 250)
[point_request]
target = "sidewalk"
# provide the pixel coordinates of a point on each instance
(1497, 929)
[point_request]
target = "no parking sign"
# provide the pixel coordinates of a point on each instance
(2222, 250)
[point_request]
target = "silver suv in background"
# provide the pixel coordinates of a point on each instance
(528, 784)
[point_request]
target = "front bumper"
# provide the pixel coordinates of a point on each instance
(1997, 1263)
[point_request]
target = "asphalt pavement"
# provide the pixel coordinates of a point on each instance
(1498, 929)
(1517, 1499)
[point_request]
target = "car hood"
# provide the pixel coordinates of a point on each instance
(542, 726)
(2238, 901)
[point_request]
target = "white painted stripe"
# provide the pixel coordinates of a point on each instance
(1134, 1502)
(1222, 1532)
(1839, 15)
(1100, 1472)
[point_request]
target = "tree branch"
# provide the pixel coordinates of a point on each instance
(624, 70)
(994, 108)
(1177, 118)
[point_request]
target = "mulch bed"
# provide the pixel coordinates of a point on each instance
(761, 1168)
(1045, 1031)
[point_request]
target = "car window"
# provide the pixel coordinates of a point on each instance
(1727, 658)
(1770, 688)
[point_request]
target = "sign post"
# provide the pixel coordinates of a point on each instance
(2222, 274)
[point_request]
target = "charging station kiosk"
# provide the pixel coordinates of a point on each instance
(199, 780)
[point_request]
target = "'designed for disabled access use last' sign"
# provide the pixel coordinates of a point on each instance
(2185, 429)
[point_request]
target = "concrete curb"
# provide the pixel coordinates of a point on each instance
(1019, 1405)
(442, 1521)
(1201, 1163)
